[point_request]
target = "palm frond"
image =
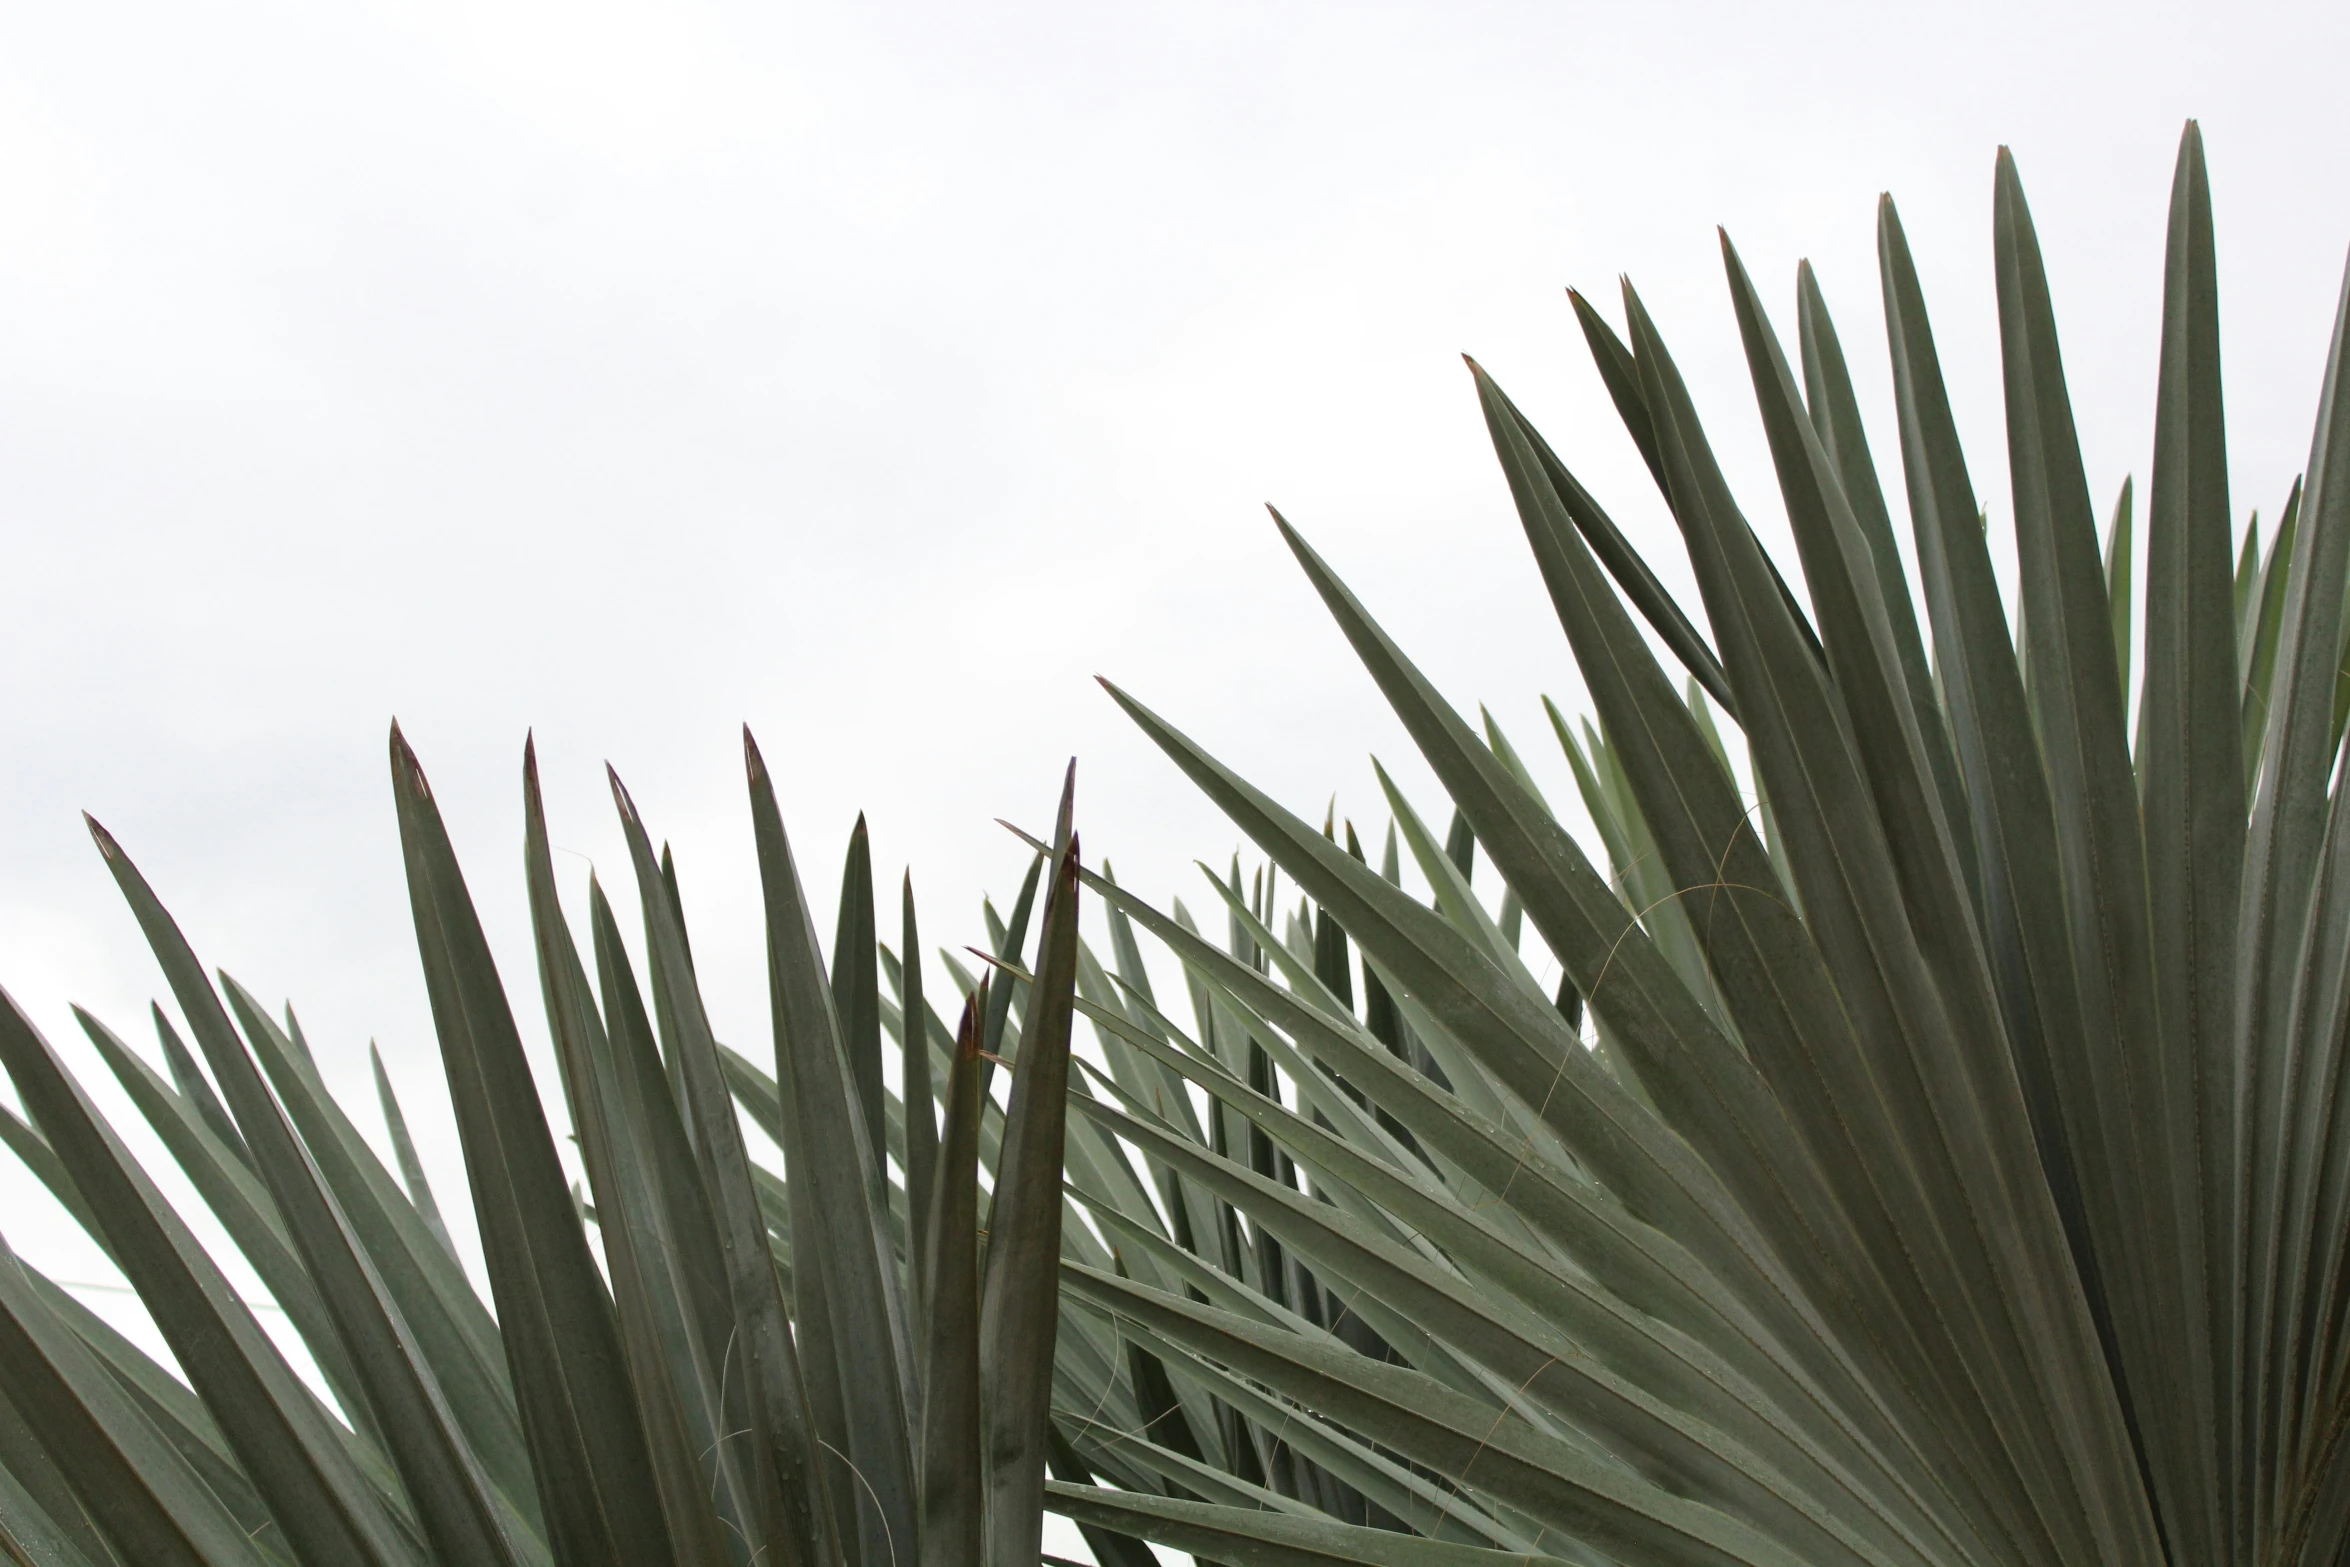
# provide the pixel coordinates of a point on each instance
(667, 1378)
(1953, 1172)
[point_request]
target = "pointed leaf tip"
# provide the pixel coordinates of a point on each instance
(406, 766)
(620, 795)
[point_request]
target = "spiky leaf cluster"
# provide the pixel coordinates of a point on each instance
(1936, 1152)
(692, 1362)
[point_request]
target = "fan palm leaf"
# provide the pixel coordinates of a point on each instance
(707, 1365)
(1944, 1162)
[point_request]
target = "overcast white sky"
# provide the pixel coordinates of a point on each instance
(878, 374)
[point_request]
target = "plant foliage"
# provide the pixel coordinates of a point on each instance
(1936, 1149)
(1931, 1152)
(738, 1379)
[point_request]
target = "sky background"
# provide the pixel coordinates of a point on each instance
(877, 375)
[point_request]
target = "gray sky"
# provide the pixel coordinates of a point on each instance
(877, 375)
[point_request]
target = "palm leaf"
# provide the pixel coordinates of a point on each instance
(588, 1448)
(1959, 1175)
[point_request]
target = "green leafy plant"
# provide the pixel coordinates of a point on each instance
(752, 1372)
(1935, 1151)
(1928, 1155)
